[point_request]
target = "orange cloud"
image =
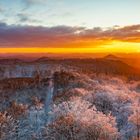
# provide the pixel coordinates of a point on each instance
(65, 39)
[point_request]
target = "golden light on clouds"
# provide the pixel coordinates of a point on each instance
(67, 39)
(112, 47)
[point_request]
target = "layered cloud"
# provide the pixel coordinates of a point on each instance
(29, 3)
(34, 1)
(64, 36)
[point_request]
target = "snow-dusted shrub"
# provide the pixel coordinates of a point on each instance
(78, 120)
(62, 79)
(17, 110)
(66, 95)
(103, 102)
(31, 125)
(135, 119)
(8, 127)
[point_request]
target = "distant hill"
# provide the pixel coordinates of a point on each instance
(10, 61)
(42, 59)
(112, 57)
(106, 66)
(110, 65)
(134, 62)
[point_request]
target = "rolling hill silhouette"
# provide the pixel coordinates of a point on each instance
(112, 57)
(110, 65)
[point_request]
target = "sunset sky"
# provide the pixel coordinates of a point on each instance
(69, 26)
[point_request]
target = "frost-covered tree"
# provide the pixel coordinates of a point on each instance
(17, 110)
(31, 125)
(62, 79)
(135, 119)
(8, 127)
(103, 102)
(78, 120)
